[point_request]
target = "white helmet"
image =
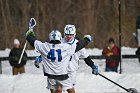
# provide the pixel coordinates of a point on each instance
(69, 32)
(70, 29)
(55, 35)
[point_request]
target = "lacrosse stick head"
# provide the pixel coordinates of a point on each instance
(132, 90)
(32, 23)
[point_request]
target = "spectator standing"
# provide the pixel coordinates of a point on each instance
(14, 57)
(112, 52)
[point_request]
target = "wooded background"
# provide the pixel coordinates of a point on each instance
(99, 18)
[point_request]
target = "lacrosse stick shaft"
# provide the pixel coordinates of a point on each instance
(114, 82)
(22, 52)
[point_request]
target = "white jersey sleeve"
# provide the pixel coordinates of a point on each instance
(83, 53)
(40, 47)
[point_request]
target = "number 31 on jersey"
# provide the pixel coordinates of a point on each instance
(53, 54)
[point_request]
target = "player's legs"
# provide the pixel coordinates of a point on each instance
(15, 70)
(21, 70)
(72, 76)
(59, 90)
(59, 86)
(52, 90)
(71, 90)
(54, 85)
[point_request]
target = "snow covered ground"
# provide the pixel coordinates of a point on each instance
(33, 80)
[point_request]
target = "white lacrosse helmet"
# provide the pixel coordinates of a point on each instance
(70, 29)
(55, 35)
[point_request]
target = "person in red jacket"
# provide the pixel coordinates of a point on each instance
(112, 52)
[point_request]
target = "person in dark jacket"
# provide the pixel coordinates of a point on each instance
(112, 52)
(14, 57)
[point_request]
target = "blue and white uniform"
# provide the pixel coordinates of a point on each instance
(55, 57)
(55, 60)
(74, 60)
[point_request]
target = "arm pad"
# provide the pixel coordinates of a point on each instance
(88, 61)
(81, 44)
(31, 39)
